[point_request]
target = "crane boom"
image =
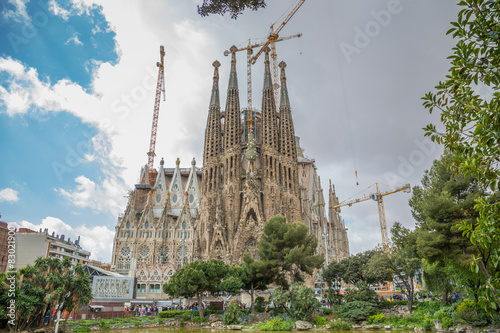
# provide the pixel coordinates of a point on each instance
(160, 87)
(272, 39)
(377, 196)
(249, 63)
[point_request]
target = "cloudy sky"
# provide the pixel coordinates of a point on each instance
(77, 93)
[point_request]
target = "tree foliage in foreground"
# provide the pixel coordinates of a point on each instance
(403, 260)
(440, 205)
(355, 269)
(234, 7)
(469, 103)
(199, 277)
(299, 302)
(255, 275)
(39, 288)
(290, 248)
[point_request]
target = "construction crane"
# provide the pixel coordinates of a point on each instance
(249, 63)
(272, 39)
(377, 196)
(160, 88)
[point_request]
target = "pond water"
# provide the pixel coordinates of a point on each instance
(212, 330)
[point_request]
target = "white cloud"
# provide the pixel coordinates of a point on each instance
(98, 240)
(106, 197)
(19, 14)
(58, 10)
(9, 195)
(74, 39)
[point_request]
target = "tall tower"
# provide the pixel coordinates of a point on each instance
(213, 139)
(289, 179)
(211, 209)
(270, 155)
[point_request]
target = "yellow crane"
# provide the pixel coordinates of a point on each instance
(272, 39)
(377, 196)
(249, 50)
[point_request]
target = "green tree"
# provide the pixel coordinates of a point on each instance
(360, 293)
(469, 103)
(42, 287)
(234, 7)
(403, 260)
(290, 248)
(255, 275)
(301, 299)
(440, 205)
(356, 268)
(332, 275)
(196, 278)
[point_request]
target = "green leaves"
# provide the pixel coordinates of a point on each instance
(235, 8)
(471, 117)
(290, 248)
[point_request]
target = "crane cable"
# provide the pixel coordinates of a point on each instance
(344, 94)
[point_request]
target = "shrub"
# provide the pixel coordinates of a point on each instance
(327, 311)
(428, 307)
(340, 324)
(103, 324)
(357, 311)
(378, 318)
(231, 315)
(276, 324)
(446, 322)
(81, 329)
(440, 314)
(319, 321)
(199, 320)
(469, 312)
(260, 304)
(173, 313)
(428, 324)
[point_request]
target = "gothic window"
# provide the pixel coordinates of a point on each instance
(180, 254)
(158, 198)
(143, 254)
(175, 197)
(141, 288)
(191, 198)
(163, 255)
(128, 224)
(146, 225)
(125, 251)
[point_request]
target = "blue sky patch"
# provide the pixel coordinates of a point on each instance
(58, 48)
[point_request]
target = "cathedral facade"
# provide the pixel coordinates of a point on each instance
(253, 168)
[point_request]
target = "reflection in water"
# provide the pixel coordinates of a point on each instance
(212, 330)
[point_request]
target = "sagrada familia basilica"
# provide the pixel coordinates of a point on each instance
(253, 168)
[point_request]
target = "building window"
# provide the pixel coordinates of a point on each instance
(141, 288)
(154, 288)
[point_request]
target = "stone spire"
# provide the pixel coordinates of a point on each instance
(232, 113)
(287, 133)
(284, 100)
(215, 100)
(269, 117)
(233, 79)
(213, 136)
